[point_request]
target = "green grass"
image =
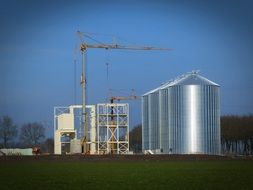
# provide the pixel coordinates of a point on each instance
(126, 175)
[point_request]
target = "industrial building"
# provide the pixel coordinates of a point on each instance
(182, 116)
(107, 129)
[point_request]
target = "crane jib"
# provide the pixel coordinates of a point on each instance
(116, 46)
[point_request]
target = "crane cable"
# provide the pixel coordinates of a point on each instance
(93, 39)
(107, 63)
(75, 73)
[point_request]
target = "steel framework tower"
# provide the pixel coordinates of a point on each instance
(113, 128)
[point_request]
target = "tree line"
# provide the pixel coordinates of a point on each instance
(29, 135)
(237, 134)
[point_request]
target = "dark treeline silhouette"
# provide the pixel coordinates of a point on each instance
(28, 135)
(237, 134)
(8, 131)
(135, 139)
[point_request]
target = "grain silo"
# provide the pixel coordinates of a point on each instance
(182, 117)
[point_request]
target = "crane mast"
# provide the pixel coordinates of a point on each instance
(84, 123)
(83, 48)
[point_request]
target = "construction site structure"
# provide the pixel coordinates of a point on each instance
(113, 128)
(107, 124)
(67, 130)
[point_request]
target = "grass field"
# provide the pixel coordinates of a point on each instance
(36, 175)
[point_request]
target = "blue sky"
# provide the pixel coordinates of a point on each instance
(38, 45)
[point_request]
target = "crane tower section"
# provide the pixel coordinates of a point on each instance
(113, 128)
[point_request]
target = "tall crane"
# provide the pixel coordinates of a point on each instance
(83, 48)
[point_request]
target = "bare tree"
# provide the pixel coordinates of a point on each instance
(32, 134)
(7, 130)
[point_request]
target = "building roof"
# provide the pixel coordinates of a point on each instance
(156, 89)
(192, 78)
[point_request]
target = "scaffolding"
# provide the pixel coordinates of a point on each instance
(113, 128)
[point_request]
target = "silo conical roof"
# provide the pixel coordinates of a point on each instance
(193, 79)
(156, 89)
(151, 91)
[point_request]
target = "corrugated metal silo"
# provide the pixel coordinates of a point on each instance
(188, 111)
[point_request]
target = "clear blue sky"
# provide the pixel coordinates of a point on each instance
(38, 46)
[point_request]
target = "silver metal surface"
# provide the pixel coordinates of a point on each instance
(183, 117)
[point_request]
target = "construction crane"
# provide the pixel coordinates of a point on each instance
(119, 98)
(83, 48)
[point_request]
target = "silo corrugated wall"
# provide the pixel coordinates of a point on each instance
(194, 119)
(154, 124)
(183, 117)
(164, 122)
(145, 125)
